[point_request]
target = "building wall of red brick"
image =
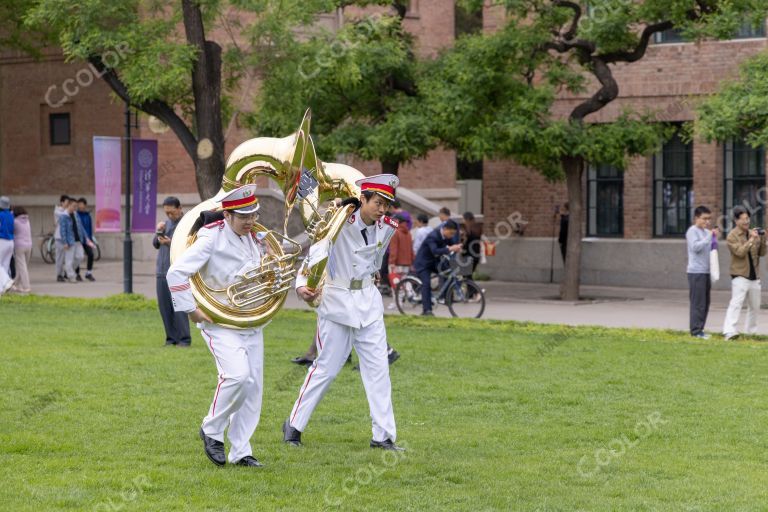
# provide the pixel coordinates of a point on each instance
(29, 164)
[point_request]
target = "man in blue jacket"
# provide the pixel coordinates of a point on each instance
(73, 236)
(434, 246)
(6, 244)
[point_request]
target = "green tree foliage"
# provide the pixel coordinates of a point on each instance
(740, 108)
(361, 83)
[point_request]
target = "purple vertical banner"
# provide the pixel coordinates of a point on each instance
(144, 158)
(107, 163)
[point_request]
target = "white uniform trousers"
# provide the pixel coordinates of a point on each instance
(742, 289)
(6, 251)
(334, 343)
(239, 356)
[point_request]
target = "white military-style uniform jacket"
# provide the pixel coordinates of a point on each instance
(220, 255)
(350, 296)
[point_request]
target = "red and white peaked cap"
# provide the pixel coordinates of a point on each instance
(241, 200)
(382, 184)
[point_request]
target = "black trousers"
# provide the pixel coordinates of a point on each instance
(699, 287)
(176, 324)
(426, 289)
(89, 256)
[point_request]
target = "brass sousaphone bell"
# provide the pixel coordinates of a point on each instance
(259, 294)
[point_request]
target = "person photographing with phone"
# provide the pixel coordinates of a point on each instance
(700, 240)
(746, 246)
(176, 323)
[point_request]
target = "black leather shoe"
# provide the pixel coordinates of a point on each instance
(213, 449)
(393, 355)
(291, 435)
(302, 360)
(387, 444)
(249, 461)
(427, 313)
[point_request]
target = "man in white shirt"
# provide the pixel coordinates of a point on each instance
(420, 231)
(351, 314)
(224, 250)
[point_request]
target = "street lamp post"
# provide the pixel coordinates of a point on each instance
(127, 242)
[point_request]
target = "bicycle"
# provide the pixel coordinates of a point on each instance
(463, 296)
(48, 249)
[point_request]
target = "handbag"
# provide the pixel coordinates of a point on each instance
(714, 262)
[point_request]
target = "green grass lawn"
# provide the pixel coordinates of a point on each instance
(96, 414)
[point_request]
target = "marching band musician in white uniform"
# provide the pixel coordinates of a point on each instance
(351, 314)
(224, 250)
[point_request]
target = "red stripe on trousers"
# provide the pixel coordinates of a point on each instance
(216, 397)
(221, 378)
(302, 392)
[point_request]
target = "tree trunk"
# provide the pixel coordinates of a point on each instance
(388, 167)
(569, 287)
(206, 86)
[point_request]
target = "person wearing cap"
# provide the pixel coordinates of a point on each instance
(6, 244)
(223, 250)
(351, 314)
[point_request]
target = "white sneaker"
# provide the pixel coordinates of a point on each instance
(702, 336)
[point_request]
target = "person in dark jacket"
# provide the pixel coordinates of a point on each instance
(472, 244)
(562, 237)
(437, 244)
(176, 323)
(87, 222)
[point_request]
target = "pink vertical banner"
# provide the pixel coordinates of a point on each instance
(107, 165)
(144, 159)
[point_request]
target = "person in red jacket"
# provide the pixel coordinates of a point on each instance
(400, 252)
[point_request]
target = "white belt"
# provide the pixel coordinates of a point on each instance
(352, 284)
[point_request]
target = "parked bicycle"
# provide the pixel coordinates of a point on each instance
(48, 249)
(463, 297)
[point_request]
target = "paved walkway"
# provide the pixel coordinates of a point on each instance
(608, 306)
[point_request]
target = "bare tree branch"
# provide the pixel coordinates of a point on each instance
(571, 32)
(608, 91)
(159, 109)
(401, 7)
(639, 51)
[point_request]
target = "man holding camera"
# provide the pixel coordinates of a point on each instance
(176, 323)
(746, 246)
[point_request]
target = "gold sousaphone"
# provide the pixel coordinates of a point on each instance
(260, 293)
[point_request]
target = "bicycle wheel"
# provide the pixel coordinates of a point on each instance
(96, 252)
(466, 299)
(408, 296)
(48, 250)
